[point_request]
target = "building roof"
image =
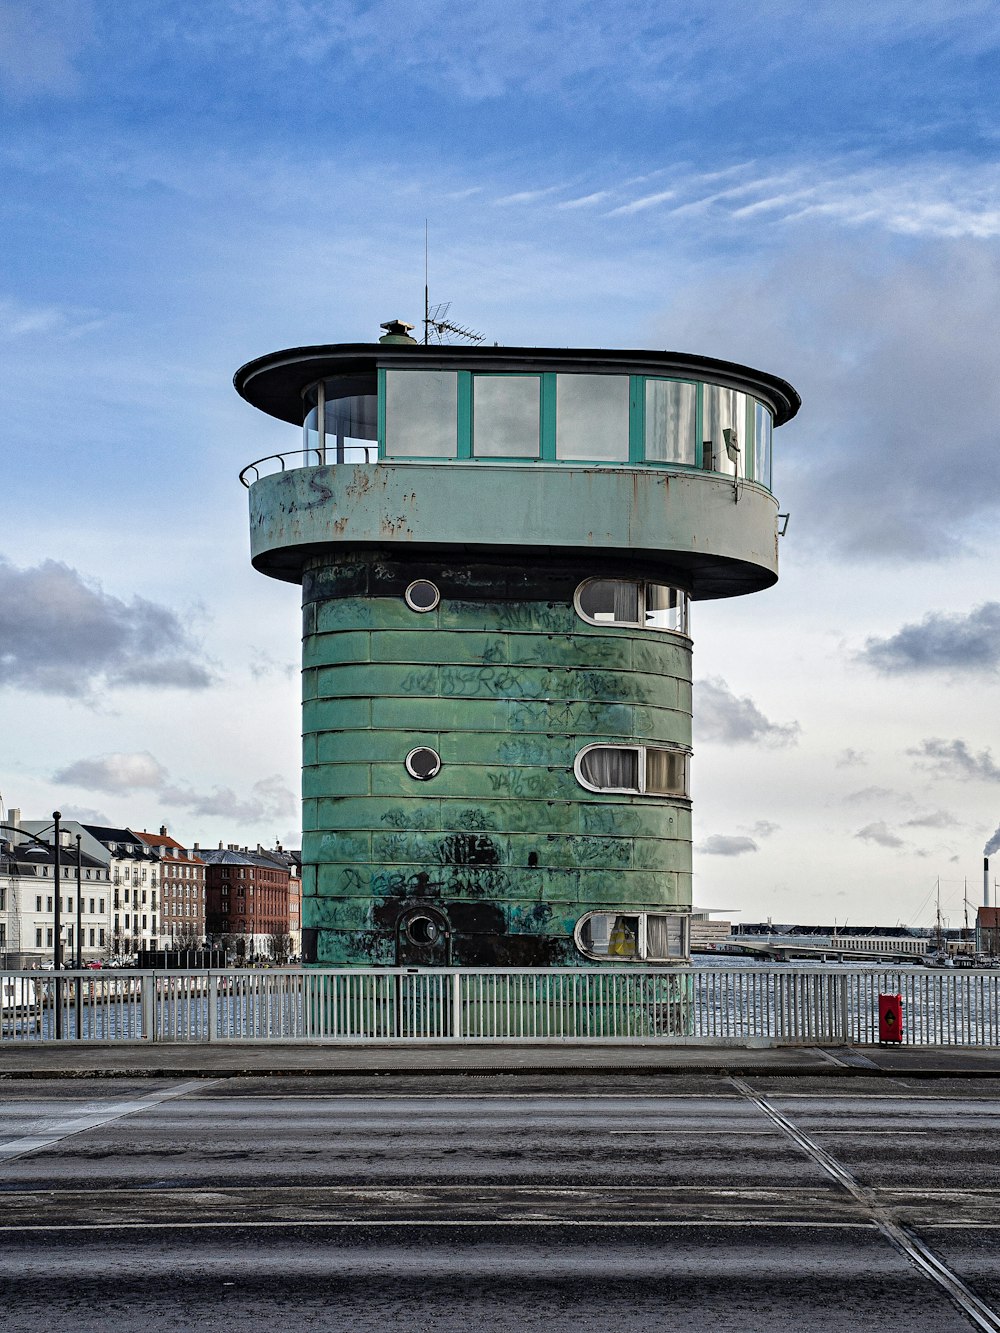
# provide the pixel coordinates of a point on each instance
(274, 383)
(122, 840)
(31, 854)
(168, 847)
(235, 856)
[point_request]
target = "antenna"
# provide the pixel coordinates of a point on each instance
(427, 316)
(437, 327)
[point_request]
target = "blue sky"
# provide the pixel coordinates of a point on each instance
(814, 190)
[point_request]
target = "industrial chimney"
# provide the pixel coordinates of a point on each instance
(986, 881)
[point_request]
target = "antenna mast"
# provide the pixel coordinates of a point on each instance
(436, 322)
(427, 314)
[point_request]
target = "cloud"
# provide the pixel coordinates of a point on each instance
(115, 773)
(61, 634)
(271, 798)
(721, 716)
(940, 642)
(125, 774)
(868, 794)
(726, 844)
(932, 819)
(884, 343)
(880, 834)
(764, 828)
(954, 759)
(851, 758)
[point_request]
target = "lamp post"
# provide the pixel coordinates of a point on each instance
(57, 921)
(79, 902)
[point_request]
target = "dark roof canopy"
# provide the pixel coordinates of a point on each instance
(275, 383)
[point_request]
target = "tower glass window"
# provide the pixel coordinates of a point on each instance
(762, 426)
(506, 416)
(634, 937)
(671, 422)
(723, 430)
(642, 605)
(421, 413)
(643, 770)
(592, 418)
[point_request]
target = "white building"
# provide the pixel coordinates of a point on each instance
(28, 890)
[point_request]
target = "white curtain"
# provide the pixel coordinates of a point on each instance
(610, 766)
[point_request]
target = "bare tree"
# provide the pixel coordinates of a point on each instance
(280, 946)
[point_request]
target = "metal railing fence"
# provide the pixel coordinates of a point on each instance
(737, 1004)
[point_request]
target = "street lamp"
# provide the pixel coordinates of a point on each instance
(79, 902)
(57, 904)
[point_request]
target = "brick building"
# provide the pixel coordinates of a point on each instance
(182, 891)
(247, 899)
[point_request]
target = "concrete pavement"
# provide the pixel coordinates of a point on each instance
(234, 1059)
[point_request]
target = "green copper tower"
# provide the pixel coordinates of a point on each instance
(498, 550)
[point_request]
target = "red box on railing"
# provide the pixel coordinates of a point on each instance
(890, 1018)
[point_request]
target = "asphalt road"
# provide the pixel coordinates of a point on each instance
(503, 1203)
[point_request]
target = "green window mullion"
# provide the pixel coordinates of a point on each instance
(381, 413)
(547, 423)
(699, 426)
(637, 419)
(465, 414)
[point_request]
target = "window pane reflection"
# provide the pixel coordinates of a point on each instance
(310, 436)
(611, 936)
(421, 413)
(664, 936)
(506, 416)
(762, 427)
(723, 429)
(352, 429)
(665, 772)
(592, 417)
(671, 422)
(666, 608)
(610, 601)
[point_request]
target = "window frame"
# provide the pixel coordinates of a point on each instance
(643, 585)
(642, 749)
(641, 954)
(635, 453)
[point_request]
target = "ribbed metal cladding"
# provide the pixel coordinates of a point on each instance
(503, 850)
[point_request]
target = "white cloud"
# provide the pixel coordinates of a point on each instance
(726, 844)
(61, 634)
(117, 773)
(125, 774)
(954, 759)
(880, 834)
(720, 716)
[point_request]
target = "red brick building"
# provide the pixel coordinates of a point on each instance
(247, 899)
(182, 891)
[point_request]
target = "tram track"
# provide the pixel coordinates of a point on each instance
(902, 1238)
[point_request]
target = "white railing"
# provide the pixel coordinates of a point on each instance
(733, 1005)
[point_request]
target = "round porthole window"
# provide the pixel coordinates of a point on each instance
(422, 595)
(423, 763)
(423, 930)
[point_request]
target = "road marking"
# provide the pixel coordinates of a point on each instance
(85, 1119)
(909, 1245)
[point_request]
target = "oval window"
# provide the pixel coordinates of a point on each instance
(423, 763)
(422, 595)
